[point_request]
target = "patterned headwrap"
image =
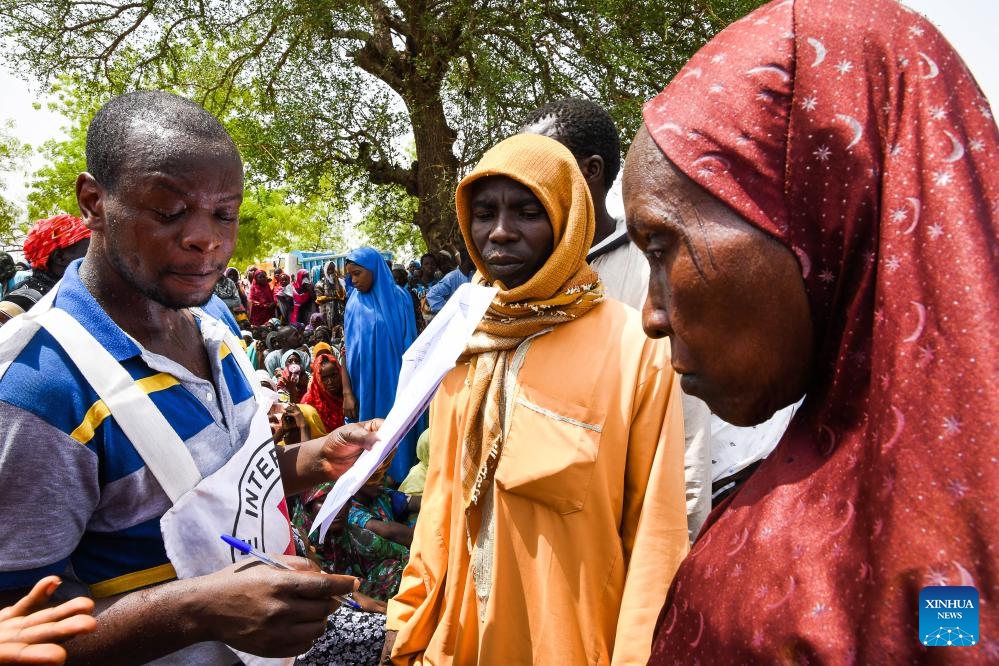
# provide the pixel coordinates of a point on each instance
(329, 406)
(47, 236)
(852, 133)
(564, 288)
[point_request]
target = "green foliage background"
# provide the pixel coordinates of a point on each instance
(357, 117)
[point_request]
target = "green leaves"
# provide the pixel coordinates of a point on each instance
(318, 92)
(13, 154)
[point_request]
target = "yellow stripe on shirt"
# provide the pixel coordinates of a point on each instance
(99, 411)
(133, 581)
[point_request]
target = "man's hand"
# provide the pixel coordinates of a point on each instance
(342, 447)
(316, 461)
(29, 631)
(271, 612)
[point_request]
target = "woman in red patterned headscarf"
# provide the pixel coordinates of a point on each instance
(325, 391)
(816, 191)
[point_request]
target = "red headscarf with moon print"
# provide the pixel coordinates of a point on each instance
(853, 133)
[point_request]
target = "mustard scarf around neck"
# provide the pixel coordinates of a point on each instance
(564, 289)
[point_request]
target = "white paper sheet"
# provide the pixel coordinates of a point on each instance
(424, 365)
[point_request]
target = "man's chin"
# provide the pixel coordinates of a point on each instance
(180, 301)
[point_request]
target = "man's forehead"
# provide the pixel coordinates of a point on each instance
(172, 153)
(490, 186)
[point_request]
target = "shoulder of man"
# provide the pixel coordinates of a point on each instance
(217, 308)
(42, 381)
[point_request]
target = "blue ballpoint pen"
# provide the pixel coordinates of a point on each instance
(247, 549)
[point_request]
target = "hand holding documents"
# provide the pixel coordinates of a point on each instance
(424, 365)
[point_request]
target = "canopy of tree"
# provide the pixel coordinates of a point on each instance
(381, 102)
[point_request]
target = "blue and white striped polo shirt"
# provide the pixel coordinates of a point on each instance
(75, 497)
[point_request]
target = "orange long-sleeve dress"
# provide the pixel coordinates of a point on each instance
(587, 502)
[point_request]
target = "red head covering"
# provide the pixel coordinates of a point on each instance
(329, 406)
(301, 276)
(852, 133)
(50, 235)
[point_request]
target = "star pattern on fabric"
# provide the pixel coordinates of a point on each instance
(935, 231)
(844, 67)
(899, 214)
(809, 103)
(823, 153)
(926, 355)
(957, 488)
(943, 177)
(938, 113)
(936, 578)
(951, 425)
(893, 263)
(916, 31)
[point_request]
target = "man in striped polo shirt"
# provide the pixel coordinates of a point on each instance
(161, 197)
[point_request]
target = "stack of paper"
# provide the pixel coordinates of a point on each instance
(424, 365)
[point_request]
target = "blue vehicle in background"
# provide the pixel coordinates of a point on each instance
(314, 262)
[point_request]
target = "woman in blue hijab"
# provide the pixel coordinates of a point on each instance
(379, 326)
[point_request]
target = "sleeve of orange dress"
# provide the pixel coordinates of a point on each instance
(654, 522)
(411, 611)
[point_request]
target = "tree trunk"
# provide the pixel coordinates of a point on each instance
(436, 172)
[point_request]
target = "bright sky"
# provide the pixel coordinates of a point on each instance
(968, 24)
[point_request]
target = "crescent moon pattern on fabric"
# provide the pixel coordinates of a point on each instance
(858, 129)
(850, 511)
(933, 69)
(740, 542)
(672, 127)
(773, 69)
(787, 595)
(963, 575)
(675, 611)
(820, 51)
(708, 159)
(917, 208)
(827, 450)
(957, 150)
(899, 427)
(806, 263)
(700, 632)
(695, 72)
(920, 322)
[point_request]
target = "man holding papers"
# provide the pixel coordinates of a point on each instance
(134, 430)
(553, 516)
